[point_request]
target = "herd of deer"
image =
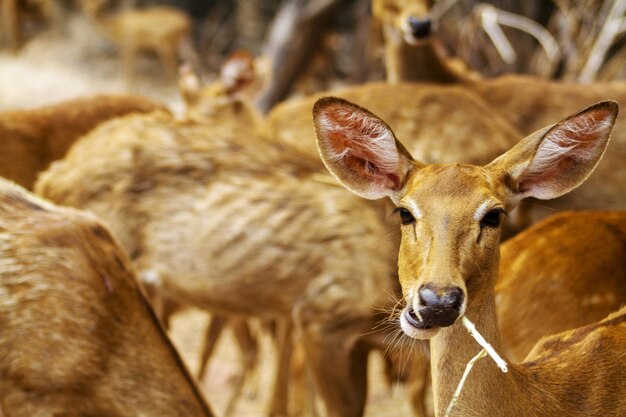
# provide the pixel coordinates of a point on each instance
(236, 214)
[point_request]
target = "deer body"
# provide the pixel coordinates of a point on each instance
(583, 279)
(78, 337)
(449, 259)
(163, 185)
(470, 132)
(31, 139)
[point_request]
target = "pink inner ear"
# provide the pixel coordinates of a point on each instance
(565, 149)
(364, 144)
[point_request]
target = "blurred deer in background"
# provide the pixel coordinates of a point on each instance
(441, 122)
(229, 98)
(412, 50)
(31, 139)
(448, 275)
(78, 336)
(160, 29)
(242, 208)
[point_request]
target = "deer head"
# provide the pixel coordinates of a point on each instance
(451, 214)
(408, 19)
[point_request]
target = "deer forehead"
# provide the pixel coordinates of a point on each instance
(452, 191)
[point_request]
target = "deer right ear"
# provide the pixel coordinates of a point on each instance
(557, 159)
(360, 150)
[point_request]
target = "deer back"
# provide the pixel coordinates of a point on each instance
(31, 139)
(78, 336)
(251, 213)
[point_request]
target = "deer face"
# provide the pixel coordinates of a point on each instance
(450, 214)
(410, 19)
(450, 219)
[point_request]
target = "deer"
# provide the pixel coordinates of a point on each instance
(32, 138)
(435, 141)
(413, 52)
(78, 335)
(229, 98)
(122, 170)
(161, 29)
(492, 131)
(448, 260)
(289, 122)
(150, 175)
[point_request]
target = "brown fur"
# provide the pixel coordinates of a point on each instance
(577, 261)
(257, 221)
(32, 139)
(227, 100)
(78, 337)
(444, 245)
(439, 123)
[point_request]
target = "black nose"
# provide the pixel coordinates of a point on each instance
(440, 307)
(420, 28)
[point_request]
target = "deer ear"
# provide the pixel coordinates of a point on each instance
(359, 149)
(189, 84)
(237, 72)
(558, 158)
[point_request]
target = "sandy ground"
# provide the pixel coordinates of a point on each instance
(54, 67)
(224, 367)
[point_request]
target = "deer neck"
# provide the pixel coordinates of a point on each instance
(451, 350)
(422, 62)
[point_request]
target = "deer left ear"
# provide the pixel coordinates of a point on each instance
(359, 149)
(555, 160)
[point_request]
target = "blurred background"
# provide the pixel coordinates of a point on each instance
(57, 49)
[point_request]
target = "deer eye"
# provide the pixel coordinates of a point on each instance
(492, 218)
(405, 216)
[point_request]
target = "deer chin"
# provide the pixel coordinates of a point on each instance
(410, 39)
(414, 327)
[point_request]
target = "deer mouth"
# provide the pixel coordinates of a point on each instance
(415, 326)
(410, 39)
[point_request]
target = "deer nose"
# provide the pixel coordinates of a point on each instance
(440, 307)
(420, 28)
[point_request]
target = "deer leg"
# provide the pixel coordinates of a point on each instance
(248, 346)
(216, 325)
(337, 361)
(129, 56)
(284, 347)
(168, 55)
(11, 23)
